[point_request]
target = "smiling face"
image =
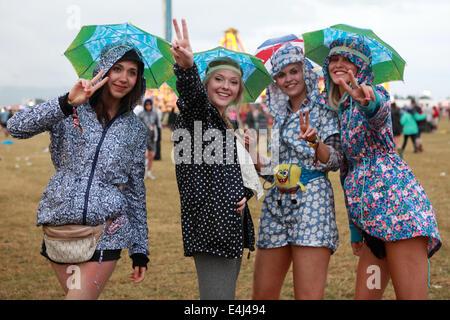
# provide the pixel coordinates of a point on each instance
(290, 81)
(338, 68)
(223, 88)
(282, 176)
(122, 78)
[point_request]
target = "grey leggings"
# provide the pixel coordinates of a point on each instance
(217, 276)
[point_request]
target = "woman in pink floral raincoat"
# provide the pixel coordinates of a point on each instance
(394, 229)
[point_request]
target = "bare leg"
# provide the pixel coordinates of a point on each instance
(149, 155)
(271, 266)
(77, 280)
(408, 266)
(372, 276)
(5, 132)
(310, 267)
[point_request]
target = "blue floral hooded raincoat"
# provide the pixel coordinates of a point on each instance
(309, 220)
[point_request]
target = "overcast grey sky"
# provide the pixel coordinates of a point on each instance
(35, 34)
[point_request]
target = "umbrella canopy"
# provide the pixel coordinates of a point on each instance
(267, 49)
(255, 76)
(387, 64)
(270, 46)
(84, 52)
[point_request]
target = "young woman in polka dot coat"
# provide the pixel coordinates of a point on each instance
(216, 222)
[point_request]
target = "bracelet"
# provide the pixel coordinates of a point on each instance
(314, 143)
(316, 153)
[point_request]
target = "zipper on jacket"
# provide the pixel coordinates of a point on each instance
(94, 164)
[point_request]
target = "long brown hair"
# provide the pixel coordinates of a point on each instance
(128, 102)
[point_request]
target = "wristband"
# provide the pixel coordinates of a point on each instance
(139, 260)
(66, 108)
(69, 109)
(314, 143)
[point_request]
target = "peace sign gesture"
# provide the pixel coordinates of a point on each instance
(181, 47)
(83, 89)
(307, 132)
(360, 93)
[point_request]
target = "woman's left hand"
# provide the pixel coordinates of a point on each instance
(360, 93)
(356, 248)
(241, 204)
(138, 275)
(249, 140)
(307, 132)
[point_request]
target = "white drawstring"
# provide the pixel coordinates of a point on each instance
(100, 259)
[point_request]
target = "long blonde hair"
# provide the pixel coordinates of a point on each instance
(236, 101)
(334, 96)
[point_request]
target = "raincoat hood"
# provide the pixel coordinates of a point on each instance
(288, 54)
(112, 53)
(356, 50)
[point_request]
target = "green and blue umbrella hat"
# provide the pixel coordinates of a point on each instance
(84, 51)
(387, 64)
(255, 75)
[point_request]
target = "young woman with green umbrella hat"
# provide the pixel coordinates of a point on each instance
(97, 148)
(392, 222)
(297, 227)
(215, 219)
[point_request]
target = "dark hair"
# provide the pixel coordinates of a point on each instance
(148, 100)
(130, 100)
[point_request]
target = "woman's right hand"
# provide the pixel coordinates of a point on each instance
(307, 132)
(181, 47)
(84, 89)
(241, 205)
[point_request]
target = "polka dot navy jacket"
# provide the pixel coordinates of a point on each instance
(208, 175)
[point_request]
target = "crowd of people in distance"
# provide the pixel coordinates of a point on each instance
(411, 121)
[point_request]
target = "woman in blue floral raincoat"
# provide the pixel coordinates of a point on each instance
(387, 206)
(297, 223)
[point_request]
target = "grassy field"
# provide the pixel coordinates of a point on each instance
(25, 168)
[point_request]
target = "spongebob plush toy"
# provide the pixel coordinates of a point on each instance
(287, 180)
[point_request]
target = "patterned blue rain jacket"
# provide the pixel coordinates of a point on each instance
(99, 172)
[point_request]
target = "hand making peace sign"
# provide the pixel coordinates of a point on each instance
(307, 132)
(360, 93)
(181, 47)
(83, 89)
